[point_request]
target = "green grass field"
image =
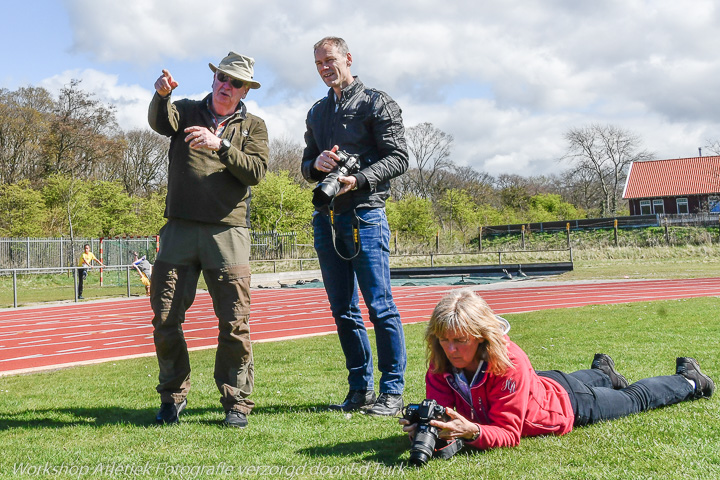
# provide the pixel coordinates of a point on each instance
(97, 421)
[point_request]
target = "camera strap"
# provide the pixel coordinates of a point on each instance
(449, 449)
(355, 232)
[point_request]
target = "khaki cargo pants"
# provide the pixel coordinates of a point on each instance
(222, 254)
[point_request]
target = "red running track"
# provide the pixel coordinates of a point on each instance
(43, 338)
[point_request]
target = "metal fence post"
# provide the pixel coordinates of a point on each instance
(615, 227)
(127, 272)
(75, 282)
(15, 302)
(567, 227)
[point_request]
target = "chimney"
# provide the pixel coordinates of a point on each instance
(700, 151)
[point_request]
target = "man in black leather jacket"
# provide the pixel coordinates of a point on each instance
(365, 123)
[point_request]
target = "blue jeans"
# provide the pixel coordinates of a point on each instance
(594, 400)
(370, 270)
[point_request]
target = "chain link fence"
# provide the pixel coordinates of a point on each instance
(61, 253)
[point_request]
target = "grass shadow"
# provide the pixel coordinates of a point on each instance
(385, 451)
(140, 417)
(99, 417)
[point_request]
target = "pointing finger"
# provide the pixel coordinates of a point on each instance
(168, 76)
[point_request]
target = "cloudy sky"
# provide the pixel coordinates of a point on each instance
(506, 78)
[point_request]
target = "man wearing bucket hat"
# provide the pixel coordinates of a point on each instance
(217, 152)
(365, 123)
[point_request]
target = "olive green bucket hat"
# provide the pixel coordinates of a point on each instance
(238, 67)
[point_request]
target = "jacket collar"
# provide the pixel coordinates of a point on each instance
(240, 110)
(347, 92)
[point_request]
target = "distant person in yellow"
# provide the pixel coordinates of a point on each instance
(85, 263)
(144, 268)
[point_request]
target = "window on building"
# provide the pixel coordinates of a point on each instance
(659, 206)
(682, 206)
(645, 208)
(714, 204)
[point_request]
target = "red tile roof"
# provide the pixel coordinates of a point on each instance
(676, 177)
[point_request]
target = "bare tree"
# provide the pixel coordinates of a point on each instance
(405, 185)
(23, 122)
(479, 185)
(285, 155)
(514, 191)
(431, 148)
(83, 134)
(607, 152)
(580, 187)
(713, 146)
(143, 168)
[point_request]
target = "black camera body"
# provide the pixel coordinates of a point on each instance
(426, 435)
(326, 190)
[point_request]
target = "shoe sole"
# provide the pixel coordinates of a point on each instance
(362, 408)
(233, 425)
(375, 414)
(338, 408)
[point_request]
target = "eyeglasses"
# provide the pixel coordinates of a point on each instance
(222, 78)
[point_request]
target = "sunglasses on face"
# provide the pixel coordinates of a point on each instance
(222, 78)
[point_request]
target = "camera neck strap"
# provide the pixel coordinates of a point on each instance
(355, 232)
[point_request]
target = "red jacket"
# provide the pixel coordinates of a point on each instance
(517, 404)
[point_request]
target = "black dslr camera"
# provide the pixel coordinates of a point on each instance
(326, 190)
(426, 435)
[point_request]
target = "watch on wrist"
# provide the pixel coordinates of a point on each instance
(224, 146)
(476, 434)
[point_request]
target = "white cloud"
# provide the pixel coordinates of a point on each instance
(505, 78)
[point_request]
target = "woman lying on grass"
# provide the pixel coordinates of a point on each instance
(497, 396)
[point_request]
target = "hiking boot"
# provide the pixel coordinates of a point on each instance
(387, 404)
(690, 369)
(233, 418)
(170, 412)
(606, 365)
(356, 400)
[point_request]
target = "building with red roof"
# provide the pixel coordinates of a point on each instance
(676, 186)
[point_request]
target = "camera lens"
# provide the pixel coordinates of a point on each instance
(422, 448)
(326, 190)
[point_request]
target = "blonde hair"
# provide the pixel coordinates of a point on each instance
(462, 312)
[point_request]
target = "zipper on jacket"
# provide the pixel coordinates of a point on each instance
(473, 412)
(482, 409)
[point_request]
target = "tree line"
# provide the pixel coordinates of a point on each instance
(66, 168)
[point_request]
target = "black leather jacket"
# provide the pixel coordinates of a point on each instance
(367, 123)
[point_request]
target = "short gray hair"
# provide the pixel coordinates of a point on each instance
(335, 41)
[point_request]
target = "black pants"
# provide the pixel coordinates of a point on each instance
(593, 399)
(82, 274)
